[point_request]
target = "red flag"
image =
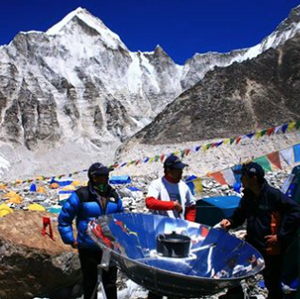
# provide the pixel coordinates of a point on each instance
(270, 131)
(238, 139)
(218, 176)
(274, 159)
(187, 151)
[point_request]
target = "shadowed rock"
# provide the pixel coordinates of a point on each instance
(33, 264)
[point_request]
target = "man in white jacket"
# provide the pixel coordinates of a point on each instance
(170, 196)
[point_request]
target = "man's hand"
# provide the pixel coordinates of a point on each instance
(177, 207)
(74, 245)
(271, 240)
(225, 223)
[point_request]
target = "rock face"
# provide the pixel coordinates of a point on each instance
(78, 82)
(32, 264)
(232, 101)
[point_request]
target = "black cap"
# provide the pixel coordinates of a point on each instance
(174, 162)
(98, 169)
(251, 169)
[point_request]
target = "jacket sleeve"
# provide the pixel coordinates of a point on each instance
(65, 219)
(152, 200)
(156, 204)
(190, 205)
(239, 215)
(190, 213)
(290, 220)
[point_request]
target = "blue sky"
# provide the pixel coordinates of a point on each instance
(181, 27)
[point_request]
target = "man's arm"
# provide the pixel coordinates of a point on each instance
(237, 219)
(154, 203)
(66, 217)
(190, 206)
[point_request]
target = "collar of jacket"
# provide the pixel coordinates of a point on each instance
(93, 191)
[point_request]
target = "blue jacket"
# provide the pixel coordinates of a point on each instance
(84, 205)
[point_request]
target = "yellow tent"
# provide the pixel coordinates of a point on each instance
(15, 199)
(54, 186)
(36, 207)
(10, 194)
(3, 187)
(41, 190)
(4, 210)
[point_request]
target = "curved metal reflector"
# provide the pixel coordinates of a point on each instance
(217, 259)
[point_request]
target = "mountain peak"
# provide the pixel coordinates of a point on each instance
(75, 13)
(81, 14)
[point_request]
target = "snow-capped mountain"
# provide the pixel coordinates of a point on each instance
(79, 82)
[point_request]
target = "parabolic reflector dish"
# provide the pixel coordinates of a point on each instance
(216, 259)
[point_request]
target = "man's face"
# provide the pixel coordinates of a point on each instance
(100, 179)
(175, 174)
(247, 180)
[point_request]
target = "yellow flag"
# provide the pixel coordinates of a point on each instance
(258, 135)
(291, 126)
(198, 185)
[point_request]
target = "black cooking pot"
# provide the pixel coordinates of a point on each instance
(173, 245)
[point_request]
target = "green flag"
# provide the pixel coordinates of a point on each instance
(264, 162)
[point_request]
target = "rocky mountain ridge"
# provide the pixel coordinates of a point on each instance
(240, 98)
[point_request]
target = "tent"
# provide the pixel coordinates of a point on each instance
(212, 210)
(63, 195)
(5, 210)
(122, 179)
(61, 183)
(55, 209)
(133, 189)
(36, 207)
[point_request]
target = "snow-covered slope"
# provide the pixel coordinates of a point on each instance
(196, 68)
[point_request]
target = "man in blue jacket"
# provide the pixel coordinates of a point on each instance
(272, 222)
(85, 204)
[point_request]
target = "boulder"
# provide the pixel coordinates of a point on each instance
(32, 264)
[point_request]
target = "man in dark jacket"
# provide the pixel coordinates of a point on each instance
(272, 221)
(87, 203)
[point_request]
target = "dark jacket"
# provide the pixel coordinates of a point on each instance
(258, 211)
(84, 205)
